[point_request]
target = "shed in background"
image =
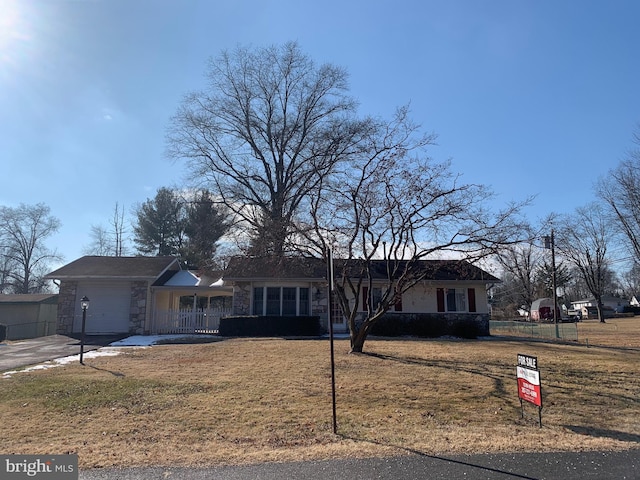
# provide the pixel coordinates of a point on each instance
(29, 315)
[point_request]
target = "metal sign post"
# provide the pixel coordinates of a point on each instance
(529, 387)
(330, 320)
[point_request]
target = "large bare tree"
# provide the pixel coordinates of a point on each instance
(519, 264)
(620, 191)
(396, 207)
(584, 241)
(267, 128)
(23, 232)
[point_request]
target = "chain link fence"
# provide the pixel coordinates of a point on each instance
(545, 331)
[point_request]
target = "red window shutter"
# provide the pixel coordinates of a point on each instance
(365, 298)
(398, 305)
(440, 296)
(471, 293)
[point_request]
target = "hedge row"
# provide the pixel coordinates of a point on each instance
(630, 309)
(391, 325)
(269, 326)
(431, 326)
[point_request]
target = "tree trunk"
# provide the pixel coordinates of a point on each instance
(357, 343)
(600, 312)
(358, 337)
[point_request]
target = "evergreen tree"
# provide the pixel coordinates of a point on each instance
(205, 225)
(160, 224)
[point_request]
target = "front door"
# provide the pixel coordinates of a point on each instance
(339, 321)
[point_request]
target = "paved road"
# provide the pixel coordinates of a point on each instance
(560, 466)
(38, 350)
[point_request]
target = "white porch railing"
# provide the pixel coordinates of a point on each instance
(188, 320)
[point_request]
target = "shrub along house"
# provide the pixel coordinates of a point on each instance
(450, 297)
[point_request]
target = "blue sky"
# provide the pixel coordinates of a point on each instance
(528, 97)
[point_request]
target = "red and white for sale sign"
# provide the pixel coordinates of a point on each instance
(529, 385)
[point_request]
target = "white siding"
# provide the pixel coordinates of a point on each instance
(422, 298)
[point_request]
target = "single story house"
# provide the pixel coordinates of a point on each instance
(154, 295)
(28, 315)
(135, 295)
(588, 305)
(452, 290)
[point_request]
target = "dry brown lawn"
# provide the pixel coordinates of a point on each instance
(253, 400)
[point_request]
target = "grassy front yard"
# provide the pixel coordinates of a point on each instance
(252, 400)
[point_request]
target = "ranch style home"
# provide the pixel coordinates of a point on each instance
(155, 295)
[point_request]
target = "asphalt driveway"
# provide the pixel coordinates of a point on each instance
(22, 353)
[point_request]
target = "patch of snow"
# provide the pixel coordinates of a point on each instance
(113, 349)
(149, 340)
(58, 362)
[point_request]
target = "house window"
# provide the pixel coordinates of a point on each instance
(258, 301)
(456, 300)
(281, 301)
(376, 297)
(303, 308)
(289, 301)
(273, 301)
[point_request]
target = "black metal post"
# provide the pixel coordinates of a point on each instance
(84, 321)
(330, 320)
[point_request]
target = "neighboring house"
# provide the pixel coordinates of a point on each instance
(452, 290)
(132, 295)
(588, 305)
(28, 316)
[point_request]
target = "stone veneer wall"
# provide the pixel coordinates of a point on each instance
(138, 312)
(66, 307)
(241, 299)
(319, 304)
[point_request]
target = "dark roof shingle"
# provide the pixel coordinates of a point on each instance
(29, 298)
(115, 267)
(256, 268)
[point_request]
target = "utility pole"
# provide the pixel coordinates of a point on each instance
(549, 242)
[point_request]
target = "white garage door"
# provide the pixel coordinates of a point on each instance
(109, 308)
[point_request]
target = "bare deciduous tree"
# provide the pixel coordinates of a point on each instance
(584, 242)
(23, 231)
(110, 240)
(270, 125)
(520, 263)
(398, 205)
(101, 242)
(620, 191)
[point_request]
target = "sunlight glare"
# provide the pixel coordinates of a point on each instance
(13, 30)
